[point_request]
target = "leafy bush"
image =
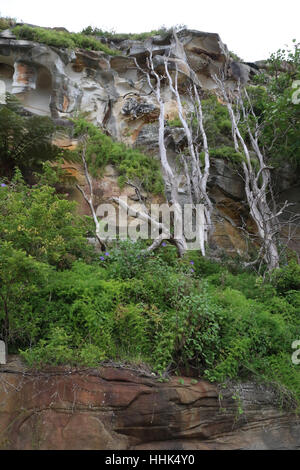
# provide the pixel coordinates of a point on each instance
(25, 142)
(125, 260)
(235, 57)
(244, 282)
(287, 278)
(21, 276)
(217, 122)
(58, 350)
(175, 122)
(249, 332)
(272, 101)
(41, 223)
(131, 163)
(226, 152)
(55, 351)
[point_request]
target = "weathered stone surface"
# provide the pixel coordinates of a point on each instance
(110, 408)
(240, 72)
(93, 82)
(2, 352)
(226, 178)
(7, 34)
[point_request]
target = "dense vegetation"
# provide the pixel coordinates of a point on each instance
(62, 303)
(89, 38)
(25, 141)
(271, 95)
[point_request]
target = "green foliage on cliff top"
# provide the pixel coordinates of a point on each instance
(162, 31)
(61, 39)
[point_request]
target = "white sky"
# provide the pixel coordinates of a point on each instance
(250, 28)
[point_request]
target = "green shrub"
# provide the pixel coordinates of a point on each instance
(25, 142)
(249, 332)
(287, 278)
(293, 297)
(131, 163)
(125, 259)
(244, 282)
(41, 223)
(135, 327)
(227, 153)
(284, 376)
(217, 122)
(235, 57)
(55, 351)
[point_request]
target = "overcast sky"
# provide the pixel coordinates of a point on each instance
(250, 28)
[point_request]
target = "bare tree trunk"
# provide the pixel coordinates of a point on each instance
(257, 180)
(196, 176)
(90, 199)
(170, 180)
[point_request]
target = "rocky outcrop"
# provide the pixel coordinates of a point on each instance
(114, 408)
(115, 95)
(58, 82)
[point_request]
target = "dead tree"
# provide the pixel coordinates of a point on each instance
(170, 179)
(256, 173)
(89, 198)
(196, 173)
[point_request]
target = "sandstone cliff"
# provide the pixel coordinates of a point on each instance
(114, 95)
(113, 408)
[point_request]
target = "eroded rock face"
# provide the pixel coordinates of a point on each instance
(58, 82)
(116, 96)
(109, 408)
